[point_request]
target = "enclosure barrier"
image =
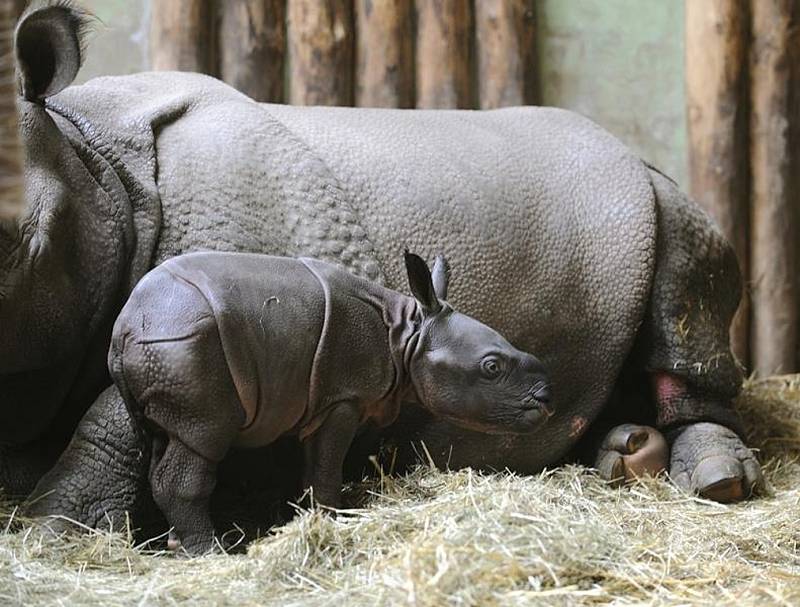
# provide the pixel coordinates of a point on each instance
(742, 92)
(373, 53)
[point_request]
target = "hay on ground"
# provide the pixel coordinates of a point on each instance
(462, 538)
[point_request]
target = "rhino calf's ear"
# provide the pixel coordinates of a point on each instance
(49, 47)
(419, 279)
(441, 276)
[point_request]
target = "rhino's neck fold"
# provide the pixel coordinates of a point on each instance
(402, 318)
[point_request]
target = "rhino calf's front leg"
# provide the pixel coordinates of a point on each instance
(325, 451)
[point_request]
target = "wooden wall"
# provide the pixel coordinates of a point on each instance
(742, 92)
(371, 53)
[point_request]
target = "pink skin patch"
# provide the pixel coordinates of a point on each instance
(669, 389)
(577, 426)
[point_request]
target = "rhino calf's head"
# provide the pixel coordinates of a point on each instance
(466, 372)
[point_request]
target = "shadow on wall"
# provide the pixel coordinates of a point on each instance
(620, 62)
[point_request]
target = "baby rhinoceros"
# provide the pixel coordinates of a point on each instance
(221, 350)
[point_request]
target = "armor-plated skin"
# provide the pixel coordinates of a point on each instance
(215, 350)
(568, 244)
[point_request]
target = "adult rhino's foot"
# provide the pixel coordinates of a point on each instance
(712, 461)
(102, 475)
(630, 451)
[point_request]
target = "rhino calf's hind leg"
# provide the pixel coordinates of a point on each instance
(182, 482)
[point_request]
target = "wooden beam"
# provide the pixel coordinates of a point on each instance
(11, 168)
(716, 90)
(251, 47)
(443, 54)
(182, 35)
(320, 37)
(384, 53)
(774, 225)
(506, 49)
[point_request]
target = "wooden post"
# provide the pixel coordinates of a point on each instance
(774, 226)
(251, 47)
(182, 35)
(716, 90)
(11, 170)
(385, 53)
(444, 62)
(794, 170)
(320, 36)
(506, 49)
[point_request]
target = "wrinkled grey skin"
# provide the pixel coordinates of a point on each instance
(215, 350)
(567, 243)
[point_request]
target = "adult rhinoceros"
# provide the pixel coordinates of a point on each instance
(561, 238)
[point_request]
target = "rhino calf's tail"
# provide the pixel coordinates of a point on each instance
(11, 177)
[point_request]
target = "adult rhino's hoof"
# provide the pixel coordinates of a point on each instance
(630, 451)
(712, 461)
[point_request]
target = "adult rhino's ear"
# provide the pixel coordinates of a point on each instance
(441, 276)
(49, 46)
(419, 279)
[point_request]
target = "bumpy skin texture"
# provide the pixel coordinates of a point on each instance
(696, 291)
(553, 223)
(117, 482)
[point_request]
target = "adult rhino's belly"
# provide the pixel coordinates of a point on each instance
(549, 224)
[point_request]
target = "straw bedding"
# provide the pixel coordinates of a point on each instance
(463, 538)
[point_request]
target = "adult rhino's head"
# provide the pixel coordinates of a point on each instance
(467, 372)
(62, 249)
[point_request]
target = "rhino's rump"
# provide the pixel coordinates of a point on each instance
(269, 313)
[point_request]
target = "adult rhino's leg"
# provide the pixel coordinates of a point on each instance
(684, 348)
(102, 475)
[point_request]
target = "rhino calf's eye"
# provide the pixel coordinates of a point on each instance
(491, 367)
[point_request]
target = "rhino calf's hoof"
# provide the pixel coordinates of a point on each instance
(630, 451)
(712, 461)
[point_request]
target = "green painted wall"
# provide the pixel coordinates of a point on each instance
(118, 43)
(619, 62)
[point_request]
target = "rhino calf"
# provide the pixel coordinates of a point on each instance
(215, 350)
